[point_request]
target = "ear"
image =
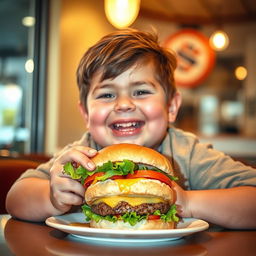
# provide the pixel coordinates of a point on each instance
(173, 107)
(83, 112)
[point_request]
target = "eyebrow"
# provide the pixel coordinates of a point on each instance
(102, 86)
(110, 85)
(138, 83)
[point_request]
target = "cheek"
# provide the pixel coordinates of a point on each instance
(155, 111)
(97, 114)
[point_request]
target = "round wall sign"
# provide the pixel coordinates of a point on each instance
(194, 55)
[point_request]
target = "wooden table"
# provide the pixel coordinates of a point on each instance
(25, 238)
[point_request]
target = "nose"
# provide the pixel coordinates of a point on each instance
(124, 104)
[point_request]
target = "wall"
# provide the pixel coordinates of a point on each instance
(53, 78)
(81, 24)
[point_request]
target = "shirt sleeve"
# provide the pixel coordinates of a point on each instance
(212, 169)
(43, 170)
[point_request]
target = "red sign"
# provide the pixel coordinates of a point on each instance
(194, 55)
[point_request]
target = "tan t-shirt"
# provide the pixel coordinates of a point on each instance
(197, 165)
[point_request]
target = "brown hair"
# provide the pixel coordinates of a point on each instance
(118, 51)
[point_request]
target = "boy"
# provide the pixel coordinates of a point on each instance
(127, 94)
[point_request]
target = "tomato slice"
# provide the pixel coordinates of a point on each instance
(117, 177)
(149, 174)
(89, 180)
(153, 217)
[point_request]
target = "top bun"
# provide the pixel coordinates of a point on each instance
(135, 153)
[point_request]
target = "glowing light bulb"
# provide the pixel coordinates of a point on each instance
(240, 73)
(29, 66)
(219, 40)
(28, 21)
(122, 13)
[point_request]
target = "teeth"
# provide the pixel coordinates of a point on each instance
(125, 125)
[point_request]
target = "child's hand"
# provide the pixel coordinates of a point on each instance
(65, 192)
(182, 201)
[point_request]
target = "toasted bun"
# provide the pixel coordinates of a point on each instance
(143, 187)
(142, 225)
(135, 153)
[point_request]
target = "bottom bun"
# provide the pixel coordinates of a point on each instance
(142, 225)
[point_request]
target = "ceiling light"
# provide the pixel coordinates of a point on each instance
(219, 40)
(240, 73)
(28, 21)
(29, 66)
(122, 13)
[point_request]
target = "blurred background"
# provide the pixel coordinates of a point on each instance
(42, 41)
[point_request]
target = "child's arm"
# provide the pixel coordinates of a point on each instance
(29, 199)
(35, 199)
(230, 208)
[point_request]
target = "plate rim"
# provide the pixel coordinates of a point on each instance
(58, 222)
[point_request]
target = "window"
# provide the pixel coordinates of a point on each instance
(22, 74)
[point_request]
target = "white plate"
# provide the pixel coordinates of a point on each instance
(186, 227)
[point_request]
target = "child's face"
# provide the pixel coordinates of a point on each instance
(131, 108)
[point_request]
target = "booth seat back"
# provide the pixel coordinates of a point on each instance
(10, 171)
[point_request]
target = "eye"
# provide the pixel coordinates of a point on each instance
(105, 96)
(141, 92)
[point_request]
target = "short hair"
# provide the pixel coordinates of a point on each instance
(117, 52)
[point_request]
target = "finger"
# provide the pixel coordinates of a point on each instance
(90, 152)
(87, 150)
(69, 198)
(78, 157)
(63, 200)
(74, 186)
(60, 184)
(57, 171)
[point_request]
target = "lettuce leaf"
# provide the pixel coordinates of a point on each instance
(79, 173)
(118, 168)
(170, 215)
(110, 169)
(131, 217)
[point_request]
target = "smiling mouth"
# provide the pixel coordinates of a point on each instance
(127, 125)
(127, 128)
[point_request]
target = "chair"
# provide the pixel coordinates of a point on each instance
(10, 170)
(42, 158)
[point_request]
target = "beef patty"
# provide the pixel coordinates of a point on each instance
(124, 207)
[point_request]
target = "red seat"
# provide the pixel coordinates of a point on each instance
(10, 170)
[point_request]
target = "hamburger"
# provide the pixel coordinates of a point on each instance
(131, 188)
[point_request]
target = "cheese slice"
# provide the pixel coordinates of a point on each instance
(112, 201)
